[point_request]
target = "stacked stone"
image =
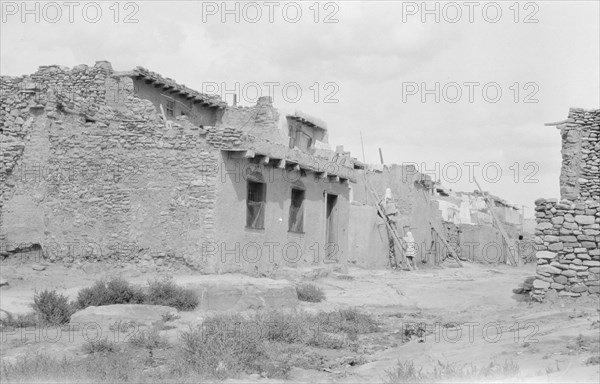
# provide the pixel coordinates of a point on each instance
(568, 256)
(580, 174)
(567, 234)
(113, 148)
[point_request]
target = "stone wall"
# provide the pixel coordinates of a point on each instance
(90, 176)
(567, 233)
(91, 171)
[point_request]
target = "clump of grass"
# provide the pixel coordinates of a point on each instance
(166, 292)
(150, 339)
(52, 308)
(94, 368)
(100, 346)
(166, 317)
(310, 293)
(20, 320)
(115, 291)
(406, 372)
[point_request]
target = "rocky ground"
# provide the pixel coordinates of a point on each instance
(469, 315)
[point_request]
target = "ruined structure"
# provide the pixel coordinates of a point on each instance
(134, 167)
(568, 231)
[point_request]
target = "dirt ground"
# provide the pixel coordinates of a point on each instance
(470, 315)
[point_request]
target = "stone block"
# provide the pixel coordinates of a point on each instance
(591, 263)
(548, 269)
(555, 246)
(578, 288)
(557, 286)
(569, 273)
(545, 255)
(560, 279)
(539, 284)
(585, 219)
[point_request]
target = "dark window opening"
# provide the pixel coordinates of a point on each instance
(255, 203)
(520, 237)
(170, 108)
(296, 223)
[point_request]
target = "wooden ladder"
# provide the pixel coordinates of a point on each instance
(391, 229)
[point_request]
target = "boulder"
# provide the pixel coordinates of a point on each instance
(239, 293)
(106, 316)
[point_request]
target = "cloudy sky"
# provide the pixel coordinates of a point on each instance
(493, 72)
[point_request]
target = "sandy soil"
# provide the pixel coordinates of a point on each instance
(471, 316)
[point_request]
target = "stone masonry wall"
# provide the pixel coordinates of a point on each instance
(567, 234)
(91, 172)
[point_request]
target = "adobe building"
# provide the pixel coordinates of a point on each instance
(567, 233)
(133, 167)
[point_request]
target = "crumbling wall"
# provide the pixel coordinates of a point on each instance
(567, 233)
(261, 120)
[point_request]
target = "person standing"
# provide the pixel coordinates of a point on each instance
(410, 250)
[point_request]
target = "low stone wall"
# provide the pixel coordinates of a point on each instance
(568, 257)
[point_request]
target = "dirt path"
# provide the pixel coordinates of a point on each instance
(470, 315)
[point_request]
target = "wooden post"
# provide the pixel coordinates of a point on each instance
(514, 259)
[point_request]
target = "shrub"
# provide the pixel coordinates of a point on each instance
(115, 291)
(310, 293)
(52, 308)
(214, 349)
(20, 320)
(166, 292)
(100, 346)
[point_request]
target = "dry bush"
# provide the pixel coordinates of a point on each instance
(218, 351)
(166, 292)
(310, 293)
(52, 308)
(115, 291)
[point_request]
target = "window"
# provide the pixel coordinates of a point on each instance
(171, 108)
(297, 211)
(255, 203)
(303, 141)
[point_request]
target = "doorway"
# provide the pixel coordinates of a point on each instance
(331, 224)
